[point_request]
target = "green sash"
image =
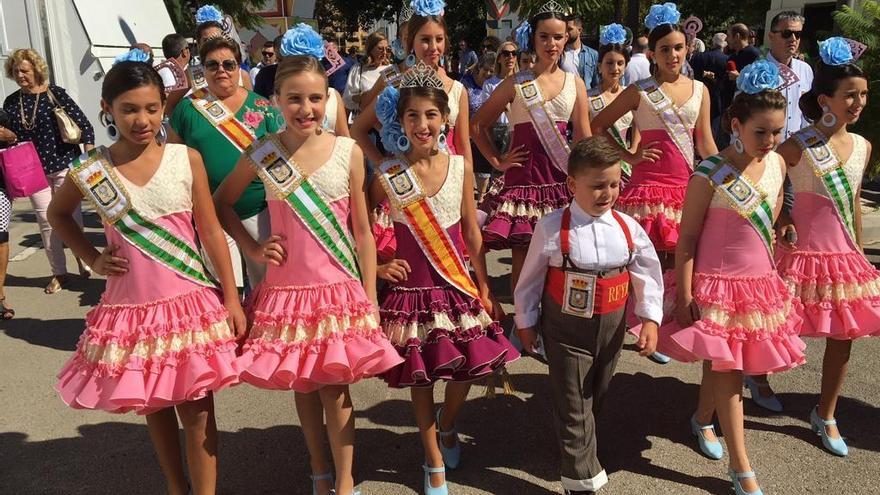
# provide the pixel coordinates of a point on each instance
(828, 167)
(618, 130)
(286, 181)
(97, 180)
(743, 196)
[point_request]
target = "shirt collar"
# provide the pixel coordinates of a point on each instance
(583, 217)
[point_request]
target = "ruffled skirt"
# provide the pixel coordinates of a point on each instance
(304, 338)
(148, 357)
(513, 211)
(442, 335)
(839, 292)
(383, 233)
(657, 208)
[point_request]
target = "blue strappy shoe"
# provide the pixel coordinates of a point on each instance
(434, 490)
(834, 445)
(737, 485)
(321, 477)
(451, 455)
(712, 449)
(771, 402)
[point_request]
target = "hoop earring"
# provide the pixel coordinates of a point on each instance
(410, 59)
(828, 119)
(112, 130)
(737, 143)
(403, 144)
(441, 143)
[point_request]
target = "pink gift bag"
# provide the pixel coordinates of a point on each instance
(22, 170)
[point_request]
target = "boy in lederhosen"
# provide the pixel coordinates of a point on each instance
(574, 285)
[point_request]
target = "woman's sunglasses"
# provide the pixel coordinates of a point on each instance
(508, 53)
(228, 65)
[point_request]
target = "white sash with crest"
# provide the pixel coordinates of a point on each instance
(672, 118)
(553, 141)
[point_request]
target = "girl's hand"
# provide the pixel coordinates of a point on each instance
(529, 339)
(396, 271)
(686, 311)
(236, 320)
(493, 307)
(269, 252)
(513, 158)
(644, 153)
(786, 234)
(108, 265)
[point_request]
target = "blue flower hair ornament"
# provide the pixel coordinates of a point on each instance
(208, 13)
(302, 40)
(386, 106)
(759, 76)
(133, 55)
(424, 8)
(390, 134)
(522, 35)
(612, 34)
(660, 14)
(836, 51)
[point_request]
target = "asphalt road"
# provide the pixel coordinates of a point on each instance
(645, 441)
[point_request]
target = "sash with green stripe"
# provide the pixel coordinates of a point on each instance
(286, 181)
(828, 167)
(618, 130)
(743, 196)
(97, 180)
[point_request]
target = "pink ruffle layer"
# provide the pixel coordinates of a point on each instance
(332, 345)
(503, 229)
(830, 286)
(119, 380)
(636, 199)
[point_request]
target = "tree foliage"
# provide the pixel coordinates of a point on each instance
(183, 12)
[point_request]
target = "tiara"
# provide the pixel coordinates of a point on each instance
(553, 6)
(421, 76)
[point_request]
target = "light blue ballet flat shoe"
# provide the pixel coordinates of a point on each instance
(834, 445)
(451, 455)
(737, 485)
(434, 490)
(771, 402)
(712, 449)
(321, 477)
(659, 358)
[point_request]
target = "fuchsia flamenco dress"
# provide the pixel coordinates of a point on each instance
(313, 324)
(838, 288)
(156, 339)
(749, 319)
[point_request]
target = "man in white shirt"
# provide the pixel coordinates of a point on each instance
(172, 70)
(579, 58)
(785, 41)
(578, 291)
(639, 67)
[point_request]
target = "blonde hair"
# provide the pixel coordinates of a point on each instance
(41, 69)
(499, 58)
(292, 65)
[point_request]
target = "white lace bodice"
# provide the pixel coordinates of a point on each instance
(647, 119)
(333, 178)
(559, 108)
(803, 179)
(447, 201)
(599, 102)
(454, 101)
(169, 190)
(770, 183)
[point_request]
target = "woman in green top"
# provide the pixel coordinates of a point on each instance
(220, 148)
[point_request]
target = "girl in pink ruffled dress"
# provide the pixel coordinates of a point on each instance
(732, 310)
(315, 326)
(163, 337)
(826, 266)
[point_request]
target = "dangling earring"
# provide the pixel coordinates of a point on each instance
(441, 143)
(112, 130)
(442, 60)
(828, 119)
(410, 59)
(403, 144)
(737, 143)
(162, 135)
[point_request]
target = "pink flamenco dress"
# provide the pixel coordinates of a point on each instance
(655, 193)
(441, 333)
(535, 189)
(838, 288)
(156, 339)
(748, 317)
(313, 324)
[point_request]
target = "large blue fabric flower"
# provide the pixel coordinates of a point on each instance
(425, 8)
(386, 105)
(761, 75)
(612, 34)
(522, 35)
(302, 40)
(666, 13)
(208, 13)
(835, 51)
(133, 55)
(390, 134)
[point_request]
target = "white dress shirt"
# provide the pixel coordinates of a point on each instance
(637, 69)
(794, 119)
(597, 244)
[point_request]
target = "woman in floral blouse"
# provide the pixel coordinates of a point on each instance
(222, 58)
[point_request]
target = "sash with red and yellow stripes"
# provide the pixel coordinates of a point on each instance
(222, 119)
(405, 192)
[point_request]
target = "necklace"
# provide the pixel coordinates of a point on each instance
(24, 123)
